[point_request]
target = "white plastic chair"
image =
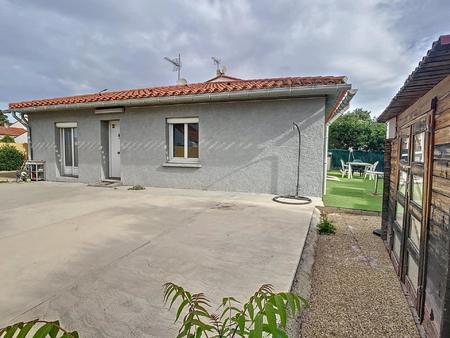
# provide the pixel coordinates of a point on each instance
(369, 171)
(344, 168)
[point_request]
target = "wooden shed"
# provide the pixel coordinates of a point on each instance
(416, 205)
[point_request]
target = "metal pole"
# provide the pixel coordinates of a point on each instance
(179, 65)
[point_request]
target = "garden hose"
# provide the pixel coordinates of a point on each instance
(294, 199)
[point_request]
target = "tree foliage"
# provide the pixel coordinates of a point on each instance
(10, 158)
(358, 130)
(3, 119)
(265, 313)
(7, 139)
(36, 329)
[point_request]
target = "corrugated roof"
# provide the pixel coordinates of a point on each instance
(433, 68)
(189, 89)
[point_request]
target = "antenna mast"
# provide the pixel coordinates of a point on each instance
(217, 62)
(176, 64)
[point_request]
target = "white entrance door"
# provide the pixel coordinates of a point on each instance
(114, 149)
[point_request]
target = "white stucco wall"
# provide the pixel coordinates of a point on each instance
(244, 146)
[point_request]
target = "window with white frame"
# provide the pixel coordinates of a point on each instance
(183, 139)
(68, 136)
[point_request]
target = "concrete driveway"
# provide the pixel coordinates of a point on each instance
(96, 258)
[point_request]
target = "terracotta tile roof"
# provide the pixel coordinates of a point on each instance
(14, 132)
(189, 89)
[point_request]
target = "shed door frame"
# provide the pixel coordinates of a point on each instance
(412, 174)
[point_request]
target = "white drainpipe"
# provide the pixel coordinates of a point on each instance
(325, 165)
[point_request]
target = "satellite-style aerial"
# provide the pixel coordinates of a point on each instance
(176, 64)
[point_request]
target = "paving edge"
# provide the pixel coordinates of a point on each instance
(333, 210)
(301, 282)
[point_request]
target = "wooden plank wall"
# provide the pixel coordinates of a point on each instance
(390, 189)
(437, 288)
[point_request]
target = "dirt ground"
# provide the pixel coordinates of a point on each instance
(355, 291)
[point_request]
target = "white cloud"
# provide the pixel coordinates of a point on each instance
(53, 47)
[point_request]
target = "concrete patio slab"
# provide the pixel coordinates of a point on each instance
(96, 258)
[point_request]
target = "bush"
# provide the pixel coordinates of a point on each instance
(10, 158)
(325, 226)
(7, 139)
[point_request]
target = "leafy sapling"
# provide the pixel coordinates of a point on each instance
(264, 314)
(325, 226)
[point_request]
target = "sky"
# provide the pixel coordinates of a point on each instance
(51, 48)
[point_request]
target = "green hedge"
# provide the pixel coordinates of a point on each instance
(10, 158)
(364, 156)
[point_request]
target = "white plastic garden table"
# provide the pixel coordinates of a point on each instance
(356, 164)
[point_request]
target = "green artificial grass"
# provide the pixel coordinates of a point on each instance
(353, 194)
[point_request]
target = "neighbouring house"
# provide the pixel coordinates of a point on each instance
(16, 131)
(416, 206)
(223, 134)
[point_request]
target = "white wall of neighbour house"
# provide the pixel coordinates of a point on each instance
(244, 146)
(17, 124)
(21, 138)
(391, 127)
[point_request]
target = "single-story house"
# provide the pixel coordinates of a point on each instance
(224, 134)
(416, 201)
(19, 134)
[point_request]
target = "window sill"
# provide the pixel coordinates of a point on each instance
(183, 164)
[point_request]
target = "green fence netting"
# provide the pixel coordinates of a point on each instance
(363, 156)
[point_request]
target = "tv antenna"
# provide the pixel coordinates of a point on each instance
(220, 69)
(217, 62)
(176, 64)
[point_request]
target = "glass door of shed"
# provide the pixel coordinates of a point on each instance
(407, 244)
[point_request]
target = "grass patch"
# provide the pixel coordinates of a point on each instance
(353, 194)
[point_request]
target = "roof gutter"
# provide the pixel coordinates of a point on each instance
(276, 93)
(343, 106)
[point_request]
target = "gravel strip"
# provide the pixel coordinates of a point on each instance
(355, 291)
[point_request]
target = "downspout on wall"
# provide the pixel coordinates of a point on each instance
(24, 120)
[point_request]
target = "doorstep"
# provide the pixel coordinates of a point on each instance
(106, 183)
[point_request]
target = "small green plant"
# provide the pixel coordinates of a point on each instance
(10, 158)
(41, 329)
(136, 187)
(265, 313)
(325, 226)
(7, 139)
